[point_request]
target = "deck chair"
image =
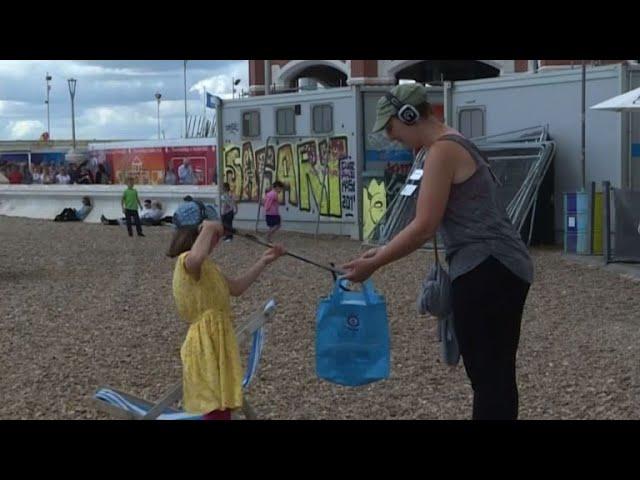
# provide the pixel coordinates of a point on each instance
(129, 407)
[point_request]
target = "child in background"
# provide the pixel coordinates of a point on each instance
(130, 204)
(212, 373)
(271, 208)
(228, 209)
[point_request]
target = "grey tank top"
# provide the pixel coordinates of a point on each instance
(475, 226)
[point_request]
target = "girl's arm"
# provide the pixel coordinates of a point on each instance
(237, 286)
(209, 232)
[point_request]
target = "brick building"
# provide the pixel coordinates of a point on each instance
(291, 75)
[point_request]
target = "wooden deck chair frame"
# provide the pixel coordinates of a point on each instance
(163, 405)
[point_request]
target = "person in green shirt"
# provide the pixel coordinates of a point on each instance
(130, 204)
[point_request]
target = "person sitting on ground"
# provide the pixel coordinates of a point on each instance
(73, 215)
(63, 177)
(151, 213)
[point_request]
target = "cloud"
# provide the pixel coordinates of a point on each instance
(26, 129)
(114, 98)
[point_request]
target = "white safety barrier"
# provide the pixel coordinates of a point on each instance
(46, 201)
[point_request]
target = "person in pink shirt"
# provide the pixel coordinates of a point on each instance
(271, 208)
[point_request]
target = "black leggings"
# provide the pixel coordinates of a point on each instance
(487, 310)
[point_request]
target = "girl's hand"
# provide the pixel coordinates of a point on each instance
(272, 254)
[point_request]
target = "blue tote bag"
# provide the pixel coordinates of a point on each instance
(352, 336)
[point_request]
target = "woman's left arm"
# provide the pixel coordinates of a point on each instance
(439, 169)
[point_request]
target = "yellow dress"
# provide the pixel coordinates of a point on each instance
(212, 372)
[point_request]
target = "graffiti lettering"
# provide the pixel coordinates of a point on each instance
(287, 173)
(348, 180)
(233, 170)
(311, 169)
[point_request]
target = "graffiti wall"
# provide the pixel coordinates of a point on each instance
(374, 205)
(378, 193)
(318, 174)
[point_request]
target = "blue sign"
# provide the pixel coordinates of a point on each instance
(397, 156)
(211, 100)
(635, 149)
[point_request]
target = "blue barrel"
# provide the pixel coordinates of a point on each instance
(576, 223)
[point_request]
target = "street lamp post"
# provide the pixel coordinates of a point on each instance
(186, 133)
(72, 92)
(48, 79)
(234, 83)
(158, 97)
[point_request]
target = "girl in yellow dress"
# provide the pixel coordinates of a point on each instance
(212, 374)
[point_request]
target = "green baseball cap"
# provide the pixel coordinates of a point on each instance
(408, 93)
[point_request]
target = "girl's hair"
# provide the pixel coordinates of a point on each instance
(86, 200)
(226, 186)
(182, 241)
(277, 184)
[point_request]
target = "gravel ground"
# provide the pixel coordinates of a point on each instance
(84, 305)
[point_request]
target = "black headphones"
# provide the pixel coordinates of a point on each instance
(406, 113)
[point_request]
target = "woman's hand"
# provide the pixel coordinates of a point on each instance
(370, 253)
(361, 268)
(272, 254)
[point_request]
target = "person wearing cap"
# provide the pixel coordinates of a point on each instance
(212, 373)
(489, 264)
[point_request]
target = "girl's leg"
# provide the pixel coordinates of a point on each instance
(217, 415)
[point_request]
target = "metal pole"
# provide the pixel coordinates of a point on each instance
(72, 92)
(186, 134)
(158, 96)
(584, 91)
(48, 79)
(267, 77)
(219, 149)
(606, 194)
(592, 217)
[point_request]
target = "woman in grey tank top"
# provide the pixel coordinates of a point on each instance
(489, 265)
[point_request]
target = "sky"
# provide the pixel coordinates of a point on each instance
(115, 99)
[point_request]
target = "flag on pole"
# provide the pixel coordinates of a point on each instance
(211, 101)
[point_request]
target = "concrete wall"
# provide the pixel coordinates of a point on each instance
(46, 201)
